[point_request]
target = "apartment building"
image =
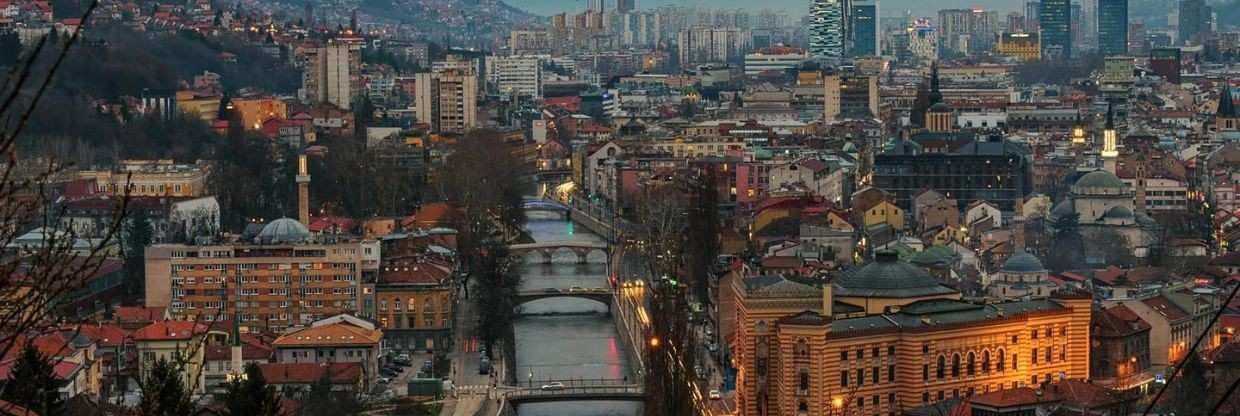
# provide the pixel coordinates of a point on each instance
(279, 279)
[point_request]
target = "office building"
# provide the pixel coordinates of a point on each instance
(866, 36)
(1113, 27)
(1055, 22)
(848, 96)
(702, 45)
(1020, 45)
(332, 73)
(773, 60)
(280, 278)
(989, 169)
(447, 101)
(887, 337)
(923, 40)
(516, 75)
(1032, 17)
(826, 28)
(1166, 63)
(596, 6)
(1194, 21)
(960, 28)
(626, 6)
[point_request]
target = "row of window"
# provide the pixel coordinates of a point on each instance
(970, 366)
(860, 380)
(874, 352)
(210, 280)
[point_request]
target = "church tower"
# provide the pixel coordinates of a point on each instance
(1109, 152)
(939, 116)
(1078, 132)
(1226, 118)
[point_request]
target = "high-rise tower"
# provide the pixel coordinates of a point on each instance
(1113, 27)
(1055, 21)
(826, 28)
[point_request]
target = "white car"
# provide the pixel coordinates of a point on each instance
(553, 386)
(715, 395)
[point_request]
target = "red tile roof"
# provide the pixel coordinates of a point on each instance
(169, 331)
(1164, 307)
(105, 335)
(139, 313)
(9, 409)
(309, 373)
(340, 333)
(1118, 321)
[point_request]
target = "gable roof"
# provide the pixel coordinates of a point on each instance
(169, 331)
(334, 334)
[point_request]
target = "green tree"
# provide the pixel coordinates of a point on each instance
(164, 392)
(138, 235)
(322, 401)
(1069, 247)
(251, 395)
(10, 48)
(497, 283)
(1189, 389)
(33, 384)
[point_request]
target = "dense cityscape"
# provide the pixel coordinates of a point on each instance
(546, 207)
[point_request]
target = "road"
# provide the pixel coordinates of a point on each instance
(472, 390)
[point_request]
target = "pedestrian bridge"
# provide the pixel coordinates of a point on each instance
(582, 249)
(618, 391)
(600, 295)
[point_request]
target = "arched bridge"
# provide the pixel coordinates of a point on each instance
(600, 295)
(548, 249)
(544, 205)
(572, 391)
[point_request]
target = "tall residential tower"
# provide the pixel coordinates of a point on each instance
(826, 28)
(1113, 27)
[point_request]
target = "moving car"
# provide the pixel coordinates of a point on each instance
(553, 386)
(715, 395)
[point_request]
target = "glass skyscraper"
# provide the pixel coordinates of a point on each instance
(826, 28)
(1055, 22)
(1113, 27)
(864, 28)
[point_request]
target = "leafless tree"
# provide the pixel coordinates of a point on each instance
(660, 223)
(40, 270)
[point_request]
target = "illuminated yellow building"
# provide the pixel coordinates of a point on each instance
(255, 111)
(886, 337)
(1025, 46)
(884, 212)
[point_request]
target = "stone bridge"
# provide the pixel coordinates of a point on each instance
(548, 249)
(544, 205)
(574, 391)
(600, 295)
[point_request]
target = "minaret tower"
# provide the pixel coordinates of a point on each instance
(303, 190)
(238, 369)
(1109, 154)
(1078, 132)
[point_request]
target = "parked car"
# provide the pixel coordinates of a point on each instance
(713, 347)
(551, 290)
(388, 373)
(384, 380)
(575, 289)
(553, 386)
(715, 395)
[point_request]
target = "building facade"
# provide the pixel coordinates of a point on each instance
(826, 28)
(1113, 27)
(997, 171)
(863, 22)
(332, 73)
(161, 178)
(516, 75)
(1055, 21)
(886, 337)
(447, 100)
(281, 280)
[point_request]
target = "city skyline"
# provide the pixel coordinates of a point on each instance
(889, 7)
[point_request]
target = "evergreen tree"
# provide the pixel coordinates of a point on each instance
(1069, 248)
(138, 234)
(322, 401)
(251, 395)
(33, 384)
(163, 391)
(10, 48)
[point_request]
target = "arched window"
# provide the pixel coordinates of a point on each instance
(803, 407)
(970, 364)
(999, 365)
(986, 361)
(802, 348)
(956, 365)
(939, 372)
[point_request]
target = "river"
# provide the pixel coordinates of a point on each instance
(580, 345)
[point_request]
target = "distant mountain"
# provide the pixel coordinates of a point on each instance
(797, 7)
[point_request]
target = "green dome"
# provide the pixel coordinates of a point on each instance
(1100, 179)
(1023, 263)
(887, 276)
(1119, 212)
